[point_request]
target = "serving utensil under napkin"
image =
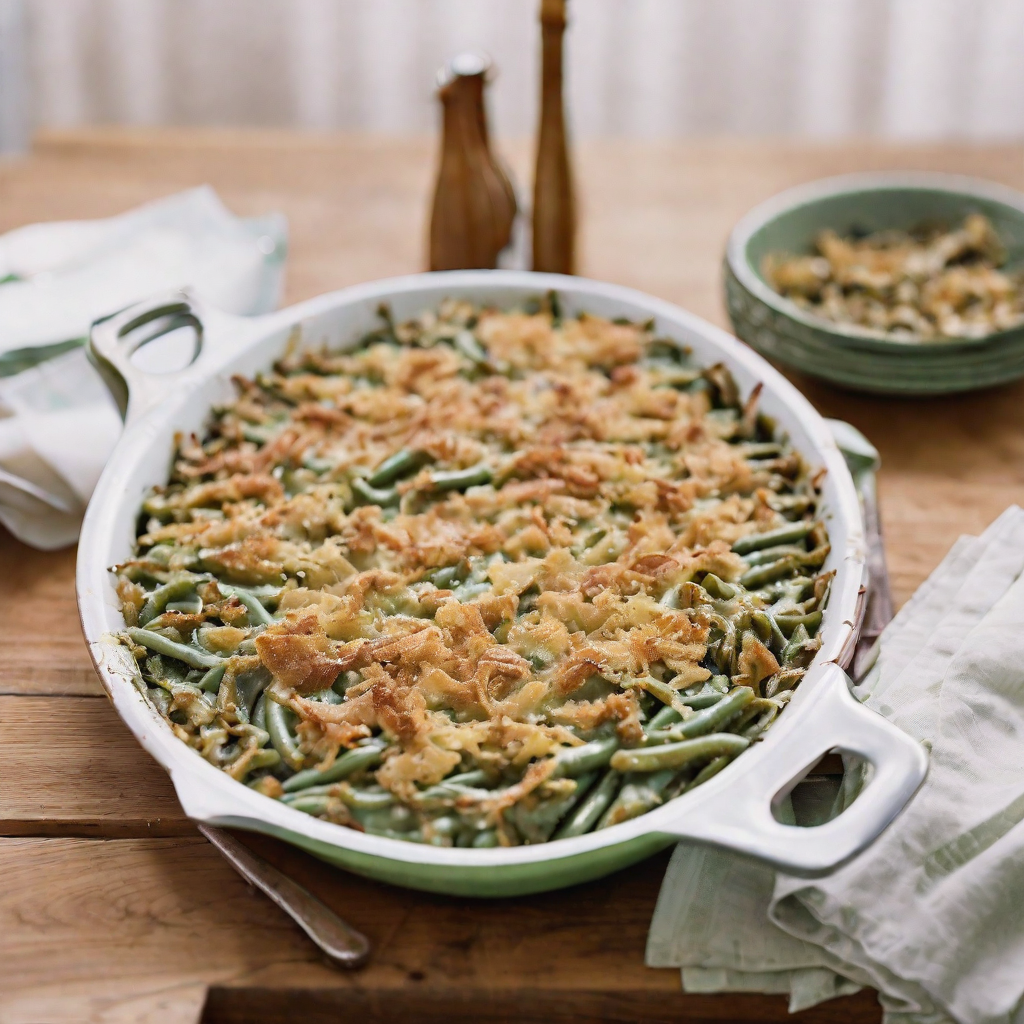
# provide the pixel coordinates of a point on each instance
(930, 914)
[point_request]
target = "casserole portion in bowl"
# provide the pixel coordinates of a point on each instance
(898, 283)
(493, 577)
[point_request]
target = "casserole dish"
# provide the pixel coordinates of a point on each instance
(734, 809)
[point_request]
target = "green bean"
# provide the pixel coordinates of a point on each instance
(444, 577)
(486, 839)
(663, 692)
(766, 555)
(156, 507)
(709, 720)
(344, 681)
(451, 787)
(397, 816)
(318, 466)
(721, 683)
(535, 824)
(788, 623)
(460, 479)
(723, 650)
(636, 798)
(577, 760)
(258, 615)
(467, 344)
(259, 434)
(670, 599)
(156, 666)
(403, 462)
(591, 540)
(761, 450)
(709, 770)
(768, 631)
(665, 716)
(182, 652)
(157, 601)
(589, 811)
(354, 760)
(374, 496)
(161, 699)
(358, 799)
(718, 588)
(413, 836)
(783, 535)
(281, 736)
(754, 579)
(787, 591)
(705, 699)
(178, 686)
(768, 715)
(259, 714)
(787, 679)
(211, 679)
(315, 805)
(631, 802)
(677, 755)
(443, 827)
(799, 637)
(787, 503)
(815, 559)
(249, 686)
(190, 606)
(263, 759)
(292, 798)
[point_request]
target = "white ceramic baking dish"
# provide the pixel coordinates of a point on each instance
(733, 810)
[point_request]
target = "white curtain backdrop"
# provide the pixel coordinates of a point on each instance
(917, 69)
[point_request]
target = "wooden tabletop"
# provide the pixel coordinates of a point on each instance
(112, 907)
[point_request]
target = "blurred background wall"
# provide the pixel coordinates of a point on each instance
(916, 69)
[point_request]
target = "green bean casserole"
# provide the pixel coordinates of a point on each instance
(488, 578)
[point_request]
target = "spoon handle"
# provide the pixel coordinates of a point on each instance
(879, 608)
(343, 944)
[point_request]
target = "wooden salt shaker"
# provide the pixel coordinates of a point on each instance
(554, 217)
(474, 202)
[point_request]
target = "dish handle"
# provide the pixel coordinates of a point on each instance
(114, 340)
(737, 814)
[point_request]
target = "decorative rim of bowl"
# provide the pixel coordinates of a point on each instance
(845, 184)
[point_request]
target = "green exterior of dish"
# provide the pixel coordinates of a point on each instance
(485, 881)
(787, 334)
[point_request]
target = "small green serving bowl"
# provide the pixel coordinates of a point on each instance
(855, 357)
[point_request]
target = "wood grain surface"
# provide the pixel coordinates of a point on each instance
(112, 908)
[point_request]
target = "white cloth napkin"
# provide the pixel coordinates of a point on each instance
(932, 914)
(57, 422)
(70, 273)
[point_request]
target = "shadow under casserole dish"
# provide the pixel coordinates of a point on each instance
(488, 578)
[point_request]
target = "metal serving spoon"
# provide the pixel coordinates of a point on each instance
(339, 941)
(863, 461)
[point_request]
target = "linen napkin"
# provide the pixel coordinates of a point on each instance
(57, 422)
(59, 277)
(932, 914)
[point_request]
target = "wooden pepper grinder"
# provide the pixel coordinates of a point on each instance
(474, 201)
(554, 216)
